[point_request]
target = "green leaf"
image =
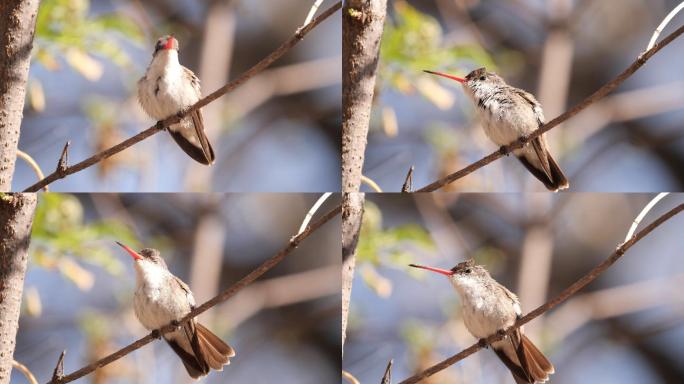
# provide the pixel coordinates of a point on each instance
(60, 231)
(413, 41)
(65, 26)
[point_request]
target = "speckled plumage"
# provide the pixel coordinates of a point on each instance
(488, 308)
(161, 298)
(167, 89)
(508, 114)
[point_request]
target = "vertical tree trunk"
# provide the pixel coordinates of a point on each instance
(352, 217)
(16, 217)
(17, 25)
(362, 25)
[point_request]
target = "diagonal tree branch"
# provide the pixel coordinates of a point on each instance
(571, 290)
(596, 96)
(223, 296)
(61, 173)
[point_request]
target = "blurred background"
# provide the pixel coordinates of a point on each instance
(79, 286)
(278, 132)
(625, 327)
(561, 51)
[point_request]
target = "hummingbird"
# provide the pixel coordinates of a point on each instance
(509, 114)
(489, 308)
(160, 299)
(167, 89)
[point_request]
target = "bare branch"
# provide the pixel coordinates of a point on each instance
(36, 168)
(598, 95)
(568, 292)
(24, 370)
(312, 11)
(371, 183)
(349, 377)
(312, 211)
(387, 377)
(663, 24)
(163, 124)
(58, 373)
(63, 162)
(408, 182)
(223, 296)
(643, 213)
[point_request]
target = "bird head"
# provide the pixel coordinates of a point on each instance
(166, 43)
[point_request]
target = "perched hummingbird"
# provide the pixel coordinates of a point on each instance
(509, 114)
(168, 88)
(488, 308)
(161, 299)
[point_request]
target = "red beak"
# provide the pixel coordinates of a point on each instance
(133, 253)
(169, 42)
(459, 79)
(442, 271)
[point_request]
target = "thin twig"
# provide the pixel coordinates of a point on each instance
(349, 377)
(24, 369)
(643, 213)
(368, 181)
(312, 211)
(408, 182)
(599, 94)
(387, 377)
(663, 24)
(312, 11)
(36, 168)
(223, 296)
(63, 162)
(571, 290)
(163, 124)
(58, 373)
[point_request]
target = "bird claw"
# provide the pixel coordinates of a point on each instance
(176, 324)
(156, 334)
(160, 125)
(502, 333)
(182, 113)
(504, 150)
(523, 139)
(483, 343)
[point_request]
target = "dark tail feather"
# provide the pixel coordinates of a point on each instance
(204, 153)
(519, 374)
(558, 182)
(189, 361)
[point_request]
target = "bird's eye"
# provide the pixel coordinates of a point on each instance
(468, 270)
(482, 78)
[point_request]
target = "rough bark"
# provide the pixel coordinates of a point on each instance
(352, 217)
(16, 217)
(17, 25)
(362, 25)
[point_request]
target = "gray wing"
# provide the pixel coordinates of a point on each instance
(186, 289)
(534, 104)
(204, 154)
(538, 143)
(194, 81)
